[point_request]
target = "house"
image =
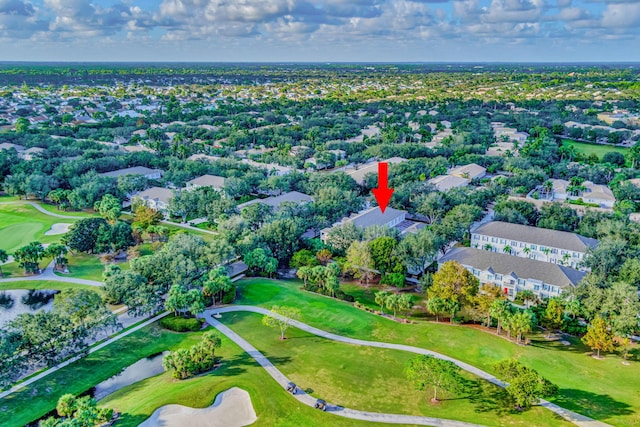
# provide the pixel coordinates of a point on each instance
(275, 202)
(359, 174)
(155, 197)
(590, 193)
(8, 146)
(471, 171)
(447, 182)
(374, 217)
(515, 274)
(213, 181)
(136, 170)
(552, 246)
(30, 153)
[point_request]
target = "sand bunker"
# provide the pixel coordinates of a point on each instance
(59, 228)
(232, 408)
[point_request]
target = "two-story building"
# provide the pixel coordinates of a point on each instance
(155, 197)
(136, 170)
(515, 274)
(541, 244)
(372, 217)
(213, 181)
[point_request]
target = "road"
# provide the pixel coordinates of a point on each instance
(573, 417)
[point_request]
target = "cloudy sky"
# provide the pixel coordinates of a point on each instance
(320, 30)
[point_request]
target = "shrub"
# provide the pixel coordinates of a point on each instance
(180, 324)
(393, 279)
(229, 297)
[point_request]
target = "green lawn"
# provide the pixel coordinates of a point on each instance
(21, 224)
(603, 389)
(84, 266)
(373, 379)
(136, 402)
(597, 149)
(54, 209)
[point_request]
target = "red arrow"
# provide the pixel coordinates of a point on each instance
(383, 192)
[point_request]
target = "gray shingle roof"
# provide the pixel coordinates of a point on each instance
(208, 181)
(373, 216)
(136, 170)
(537, 236)
(275, 202)
(523, 268)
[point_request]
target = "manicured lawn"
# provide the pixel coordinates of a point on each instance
(45, 284)
(84, 266)
(373, 379)
(21, 224)
(54, 209)
(603, 389)
(12, 270)
(597, 149)
(137, 401)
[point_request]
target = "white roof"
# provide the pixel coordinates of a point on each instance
(208, 181)
(447, 182)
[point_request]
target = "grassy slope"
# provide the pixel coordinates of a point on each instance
(137, 401)
(602, 389)
(45, 284)
(84, 266)
(21, 224)
(597, 149)
(373, 379)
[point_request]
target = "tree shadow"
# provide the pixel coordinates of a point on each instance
(487, 397)
(598, 406)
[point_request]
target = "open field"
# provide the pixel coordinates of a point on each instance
(373, 379)
(84, 266)
(137, 401)
(597, 149)
(21, 224)
(602, 389)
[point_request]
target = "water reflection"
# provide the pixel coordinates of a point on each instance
(18, 301)
(143, 368)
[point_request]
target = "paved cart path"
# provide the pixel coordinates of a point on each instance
(573, 417)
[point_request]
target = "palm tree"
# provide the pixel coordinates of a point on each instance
(507, 249)
(546, 251)
(488, 247)
(4, 256)
(526, 250)
(521, 323)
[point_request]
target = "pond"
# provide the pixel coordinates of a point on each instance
(19, 301)
(142, 369)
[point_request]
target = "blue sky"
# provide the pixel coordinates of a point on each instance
(320, 30)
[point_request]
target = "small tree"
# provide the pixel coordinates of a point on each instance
(553, 317)
(4, 257)
(427, 371)
(29, 256)
(521, 323)
(526, 386)
(599, 336)
(436, 306)
(282, 319)
(499, 310)
(57, 251)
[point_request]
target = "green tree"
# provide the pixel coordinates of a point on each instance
(109, 207)
(455, 285)
(521, 322)
(599, 336)
(28, 257)
(303, 257)
(57, 251)
(85, 308)
(218, 283)
(526, 386)
(553, 317)
(4, 257)
(282, 319)
(380, 298)
(428, 372)
(183, 203)
(360, 262)
(437, 306)
(500, 310)
(83, 234)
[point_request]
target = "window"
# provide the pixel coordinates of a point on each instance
(536, 287)
(476, 237)
(476, 272)
(514, 243)
(520, 281)
(498, 276)
(554, 251)
(503, 242)
(534, 247)
(485, 238)
(575, 254)
(489, 276)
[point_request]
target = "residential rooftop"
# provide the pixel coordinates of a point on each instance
(275, 202)
(136, 170)
(207, 181)
(537, 236)
(523, 268)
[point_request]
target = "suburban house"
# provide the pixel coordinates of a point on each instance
(213, 181)
(541, 244)
(514, 274)
(392, 218)
(447, 182)
(509, 134)
(8, 146)
(359, 174)
(155, 197)
(136, 170)
(275, 201)
(471, 171)
(591, 193)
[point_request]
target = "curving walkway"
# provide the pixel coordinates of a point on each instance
(48, 274)
(575, 418)
(41, 209)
